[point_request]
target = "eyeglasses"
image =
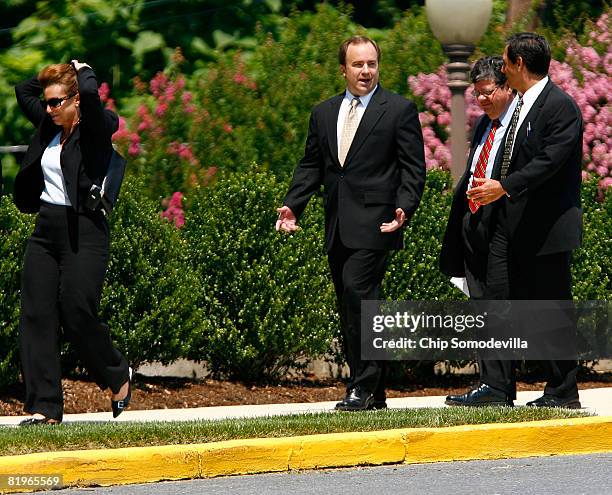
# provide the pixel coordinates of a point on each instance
(486, 94)
(57, 102)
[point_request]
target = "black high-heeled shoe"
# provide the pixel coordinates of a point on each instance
(119, 405)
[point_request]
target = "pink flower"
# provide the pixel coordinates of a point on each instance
(444, 119)
(176, 201)
(123, 132)
(158, 84)
(174, 213)
(161, 109)
(187, 97)
(228, 128)
(240, 78)
(134, 149)
(104, 92)
(169, 93)
(142, 111)
(135, 146)
(605, 183)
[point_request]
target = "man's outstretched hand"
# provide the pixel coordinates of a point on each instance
(396, 223)
(286, 220)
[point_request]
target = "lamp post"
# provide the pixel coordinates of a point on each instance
(458, 25)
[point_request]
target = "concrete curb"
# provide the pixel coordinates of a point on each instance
(402, 446)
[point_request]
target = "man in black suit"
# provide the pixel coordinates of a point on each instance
(538, 214)
(465, 247)
(365, 147)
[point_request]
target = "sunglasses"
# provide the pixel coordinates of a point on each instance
(57, 102)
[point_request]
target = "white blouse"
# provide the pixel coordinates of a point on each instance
(55, 187)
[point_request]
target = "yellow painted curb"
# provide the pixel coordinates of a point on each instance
(261, 455)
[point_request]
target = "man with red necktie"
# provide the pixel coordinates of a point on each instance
(466, 245)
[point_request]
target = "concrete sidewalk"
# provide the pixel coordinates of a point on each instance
(597, 401)
(103, 467)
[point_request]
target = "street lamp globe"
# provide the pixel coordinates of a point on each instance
(458, 21)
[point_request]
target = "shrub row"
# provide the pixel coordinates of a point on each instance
(230, 290)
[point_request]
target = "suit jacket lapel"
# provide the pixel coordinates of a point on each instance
(332, 126)
(480, 127)
(530, 119)
(371, 116)
(478, 132)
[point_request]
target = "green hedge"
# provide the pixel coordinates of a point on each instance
(251, 302)
(14, 230)
(267, 295)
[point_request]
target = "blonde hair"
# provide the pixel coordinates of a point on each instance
(63, 74)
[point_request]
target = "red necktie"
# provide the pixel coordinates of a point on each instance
(481, 165)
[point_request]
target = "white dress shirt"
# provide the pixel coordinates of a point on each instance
(498, 140)
(55, 187)
(344, 107)
(529, 98)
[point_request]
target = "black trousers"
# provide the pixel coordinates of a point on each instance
(357, 275)
(530, 277)
(483, 282)
(486, 272)
(63, 273)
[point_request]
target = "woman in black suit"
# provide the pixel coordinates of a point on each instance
(67, 254)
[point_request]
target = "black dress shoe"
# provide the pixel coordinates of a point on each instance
(39, 421)
(356, 399)
(548, 400)
(484, 395)
(118, 406)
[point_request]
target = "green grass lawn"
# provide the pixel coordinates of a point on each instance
(78, 436)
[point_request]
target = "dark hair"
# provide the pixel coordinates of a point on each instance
(63, 74)
(489, 68)
(357, 40)
(533, 49)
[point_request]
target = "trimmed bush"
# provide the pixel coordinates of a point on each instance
(268, 298)
(413, 272)
(150, 296)
(15, 228)
(592, 263)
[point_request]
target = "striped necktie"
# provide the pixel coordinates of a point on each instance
(510, 139)
(481, 164)
(351, 122)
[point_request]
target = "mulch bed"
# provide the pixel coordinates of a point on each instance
(82, 396)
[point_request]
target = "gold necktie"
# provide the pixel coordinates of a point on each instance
(351, 122)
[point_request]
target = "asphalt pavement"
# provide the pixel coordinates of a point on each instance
(558, 475)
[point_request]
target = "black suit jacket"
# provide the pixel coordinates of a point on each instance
(85, 155)
(452, 253)
(384, 170)
(453, 250)
(543, 214)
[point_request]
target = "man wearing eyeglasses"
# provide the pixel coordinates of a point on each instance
(466, 245)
